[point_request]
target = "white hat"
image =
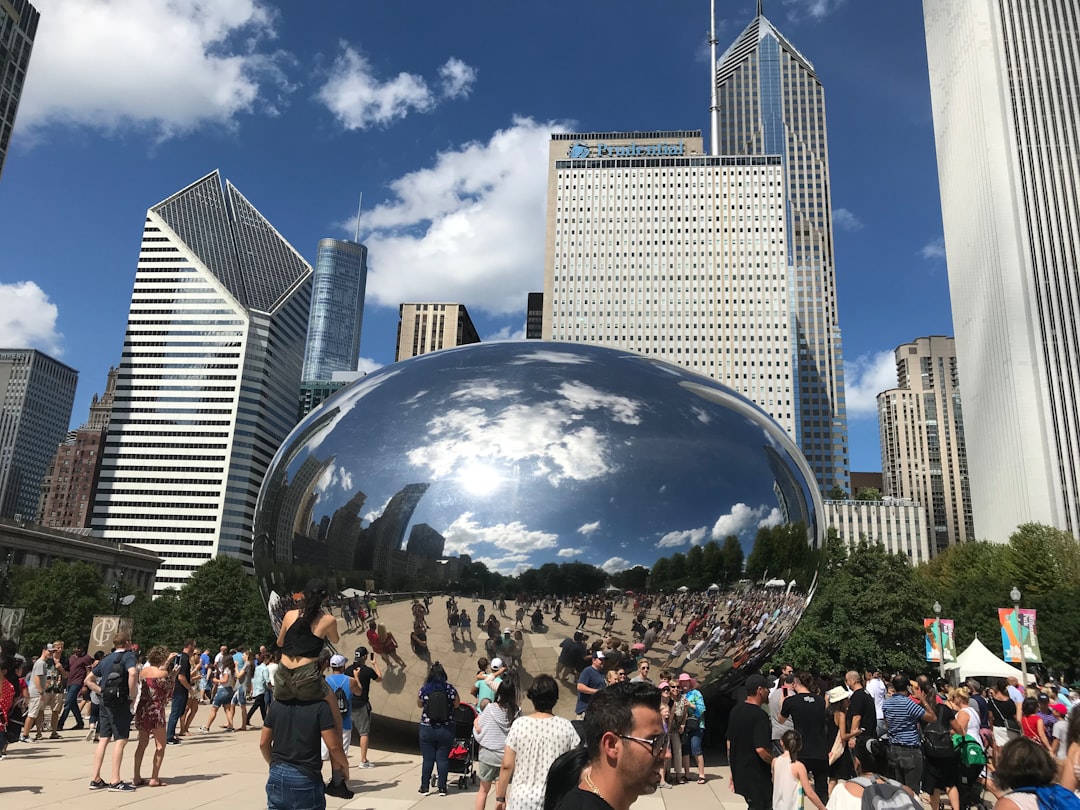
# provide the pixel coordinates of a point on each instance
(838, 693)
(337, 661)
(496, 663)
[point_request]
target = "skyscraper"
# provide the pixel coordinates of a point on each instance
(424, 328)
(18, 27)
(923, 452)
(770, 101)
(208, 379)
(337, 309)
(36, 394)
(1003, 78)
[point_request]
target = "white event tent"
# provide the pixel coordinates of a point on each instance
(978, 662)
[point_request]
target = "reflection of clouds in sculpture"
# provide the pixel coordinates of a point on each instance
(738, 520)
(510, 564)
(333, 476)
(466, 533)
(571, 552)
(774, 518)
(675, 539)
(375, 514)
(701, 414)
(483, 391)
(546, 434)
(588, 528)
(615, 564)
(548, 356)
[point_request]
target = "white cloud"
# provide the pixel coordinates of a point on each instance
(614, 565)
(169, 66)
(465, 533)
(457, 78)
(375, 514)
(367, 365)
(359, 99)
(588, 528)
(774, 518)
(468, 228)
(28, 318)
(845, 220)
(934, 249)
(510, 565)
(675, 539)
(506, 333)
(571, 552)
(866, 377)
(814, 9)
(739, 519)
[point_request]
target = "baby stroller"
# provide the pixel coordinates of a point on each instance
(463, 753)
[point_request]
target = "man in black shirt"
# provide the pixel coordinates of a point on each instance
(361, 673)
(861, 711)
(748, 748)
(181, 691)
(807, 712)
(572, 658)
(290, 745)
(626, 743)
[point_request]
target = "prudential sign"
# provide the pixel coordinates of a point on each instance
(580, 151)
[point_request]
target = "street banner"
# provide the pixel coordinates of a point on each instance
(936, 638)
(102, 631)
(11, 622)
(1019, 631)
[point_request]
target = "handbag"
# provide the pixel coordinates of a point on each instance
(837, 749)
(692, 724)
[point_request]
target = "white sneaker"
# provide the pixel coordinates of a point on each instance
(367, 764)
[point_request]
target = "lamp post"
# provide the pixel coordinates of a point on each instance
(940, 645)
(1015, 595)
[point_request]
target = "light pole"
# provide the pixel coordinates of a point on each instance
(1015, 595)
(940, 645)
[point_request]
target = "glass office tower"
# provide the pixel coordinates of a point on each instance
(337, 309)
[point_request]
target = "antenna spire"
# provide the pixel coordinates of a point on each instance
(714, 108)
(759, 11)
(358, 207)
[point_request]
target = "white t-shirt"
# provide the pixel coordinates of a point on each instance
(1061, 734)
(875, 687)
(536, 743)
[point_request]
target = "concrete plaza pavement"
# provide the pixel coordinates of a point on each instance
(222, 769)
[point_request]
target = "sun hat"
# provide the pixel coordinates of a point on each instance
(838, 693)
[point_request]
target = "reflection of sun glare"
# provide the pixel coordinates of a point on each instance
(479, 479)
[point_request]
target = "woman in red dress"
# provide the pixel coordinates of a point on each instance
(152, 711)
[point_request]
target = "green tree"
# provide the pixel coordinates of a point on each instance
(632, 579)
(60, 602)
(837, 493)
(696, 576)
(869, 494)
(678, 571)
(660, 576)
(731, 557)
(712, 562)
(224, 606)
(163, 621)
(1042, 558)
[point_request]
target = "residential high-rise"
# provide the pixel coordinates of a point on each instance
(337, 309)
(36, 395)
(1003, 78)
(424, 328)
(70, 483)
(208, 379)
(770, 101)
(923, 453)
(18, 27)
(534, 317)
(656, 248)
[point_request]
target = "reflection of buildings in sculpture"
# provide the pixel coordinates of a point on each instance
(781, 502)
(788, 492)
(387, 532)
(898, 524)
(344, 532)
(295, 504)
(534, 317)
(425, 542)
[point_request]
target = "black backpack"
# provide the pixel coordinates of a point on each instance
(114, 689)
(343, 702)
(937, 740)
(438, 706)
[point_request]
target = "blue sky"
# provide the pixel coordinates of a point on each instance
(439, 114)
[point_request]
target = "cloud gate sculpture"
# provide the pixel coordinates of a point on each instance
(525, 453)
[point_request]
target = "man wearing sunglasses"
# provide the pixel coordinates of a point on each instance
(626, 743)
(642, 673)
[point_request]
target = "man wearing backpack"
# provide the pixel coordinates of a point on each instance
(115, 678)
(341, 688)
(361, 674)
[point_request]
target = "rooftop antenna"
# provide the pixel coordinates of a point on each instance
(714, 108)
(759, 11)
(358, 207)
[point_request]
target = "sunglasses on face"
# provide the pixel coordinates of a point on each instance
(657, 745)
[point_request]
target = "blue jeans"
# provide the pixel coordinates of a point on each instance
(176, 711)
(71, 704)
(435, 745)
(289, 789)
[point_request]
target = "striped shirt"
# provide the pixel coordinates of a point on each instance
(902, 715)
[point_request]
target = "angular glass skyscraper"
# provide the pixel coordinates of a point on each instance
(1003, 84)
(207, 382)
(337, 309)
(771, 102)
(18, 27)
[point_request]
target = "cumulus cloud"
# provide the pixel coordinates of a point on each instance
(774, 518)
(28, 318)
(511, 565)
(813, 9)
(614, 565)
(506, 333)
(571, 552)
(359, 99)
(588, 528)
(675, 539)
(468, 228)
(367, 365)
(864, 378)
(168, 66)
(934, 249)
(739, 519)
(466, 533)
(845, 220)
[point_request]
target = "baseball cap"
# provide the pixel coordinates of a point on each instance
(337, 661)
(507, 631)
(360, 654)
(496, 663)
(1060, 708)
(50, 647)
(598, 654)
(753, 683)
(663, 685)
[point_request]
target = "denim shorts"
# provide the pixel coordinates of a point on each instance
(223, 695)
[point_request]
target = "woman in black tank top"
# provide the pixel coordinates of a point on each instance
(301, 638)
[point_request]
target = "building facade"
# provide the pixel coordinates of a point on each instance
(70, 483)
(771, 102)
(923, 451)
(654, 247)
(337, 309)
(36, 393)
(208, 380)
(1003, 75)
(898, 524)
(18, 27)
(534, 317)
(424, 328)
